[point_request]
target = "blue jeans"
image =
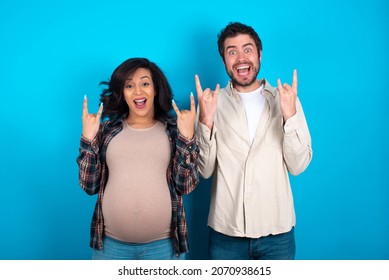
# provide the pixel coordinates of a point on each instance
(273, 247)
(118, 250)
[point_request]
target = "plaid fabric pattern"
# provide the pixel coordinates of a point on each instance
(182, 176)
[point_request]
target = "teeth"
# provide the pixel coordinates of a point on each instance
(140, 100)
(242, 67)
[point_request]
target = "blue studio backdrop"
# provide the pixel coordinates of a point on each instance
(52, 53)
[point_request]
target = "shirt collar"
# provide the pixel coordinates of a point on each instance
(267, 87)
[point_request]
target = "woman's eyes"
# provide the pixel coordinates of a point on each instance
(130, 86)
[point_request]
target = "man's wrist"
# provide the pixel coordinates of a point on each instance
(208, 123)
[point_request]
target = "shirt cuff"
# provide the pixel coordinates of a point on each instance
(187, 142)
(291, 124)
(205, 133)
(89, 145)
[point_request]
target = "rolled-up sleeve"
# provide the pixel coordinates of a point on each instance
(185, 165)
(89, 165)
(207, 145)
(297, 147)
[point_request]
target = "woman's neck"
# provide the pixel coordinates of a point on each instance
(140, 122)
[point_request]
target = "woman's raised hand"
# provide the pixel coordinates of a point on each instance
(90, 122)
(186, 118)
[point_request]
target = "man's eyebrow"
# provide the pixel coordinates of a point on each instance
(245, 45)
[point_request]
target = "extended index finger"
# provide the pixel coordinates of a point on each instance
(176, 108)
(85, 106)
(294, 81)
(199, 89)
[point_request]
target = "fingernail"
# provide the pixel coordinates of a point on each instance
(173, 101)
(85, 96)
(101, 104)
(191, 93)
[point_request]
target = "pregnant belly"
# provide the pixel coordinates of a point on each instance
(139, 216)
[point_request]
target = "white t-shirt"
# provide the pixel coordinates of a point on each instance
(253, 103)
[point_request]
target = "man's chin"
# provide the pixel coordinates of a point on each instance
(244, 82)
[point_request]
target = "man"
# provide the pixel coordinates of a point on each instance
(251, 135)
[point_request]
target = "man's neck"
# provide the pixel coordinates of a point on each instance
(249, 88)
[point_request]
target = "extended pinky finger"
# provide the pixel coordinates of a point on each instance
(279, 86)
(192, 103)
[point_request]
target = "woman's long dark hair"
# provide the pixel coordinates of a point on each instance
(112, 97)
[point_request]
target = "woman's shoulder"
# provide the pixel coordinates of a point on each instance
(111, 124)
(169, 121)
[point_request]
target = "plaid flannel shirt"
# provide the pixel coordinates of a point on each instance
(182, 175)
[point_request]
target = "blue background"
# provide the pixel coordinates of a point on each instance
(54, 52)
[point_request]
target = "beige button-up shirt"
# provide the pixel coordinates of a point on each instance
(251, 194)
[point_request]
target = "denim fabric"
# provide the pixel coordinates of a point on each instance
(118, 250)
(272, 247)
